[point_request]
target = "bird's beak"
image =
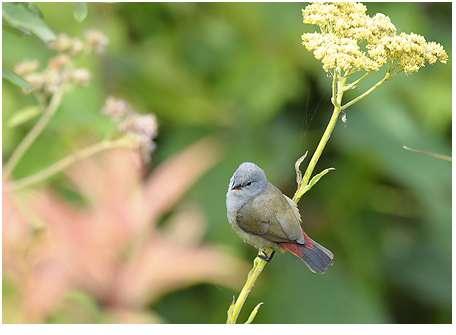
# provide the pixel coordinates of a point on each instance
(236, 187)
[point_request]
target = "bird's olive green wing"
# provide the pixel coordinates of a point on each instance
(270, 215)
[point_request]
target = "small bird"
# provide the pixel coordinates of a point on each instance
(265, 218)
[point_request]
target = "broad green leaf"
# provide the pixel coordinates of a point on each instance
(23, 115)
(15, 79)
(27, 20)
(80, 11)
(254, 313)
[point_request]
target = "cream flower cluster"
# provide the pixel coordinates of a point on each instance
(94, 40)
(338, 52)
(350, 40)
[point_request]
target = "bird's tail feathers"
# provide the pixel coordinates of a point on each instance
(317, 258)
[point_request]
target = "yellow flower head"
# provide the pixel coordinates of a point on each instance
(349, 40)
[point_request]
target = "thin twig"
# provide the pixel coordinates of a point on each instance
(356, 82)
(34, 133)
(123, 142)
(429, 153)
(365, 94)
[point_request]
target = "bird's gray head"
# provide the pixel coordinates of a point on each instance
(247, 181)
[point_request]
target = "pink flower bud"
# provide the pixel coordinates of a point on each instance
(96, 41)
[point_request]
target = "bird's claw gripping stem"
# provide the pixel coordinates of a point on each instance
(264, 255)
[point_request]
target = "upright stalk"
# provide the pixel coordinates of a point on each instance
(235, 309)
(33, 134)
(259, 263)
(338, 83)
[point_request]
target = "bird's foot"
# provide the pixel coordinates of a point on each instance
(265, 256)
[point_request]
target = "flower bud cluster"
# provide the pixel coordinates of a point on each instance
(60, 70)
(142, 127)
(93, 41)
(96, 41)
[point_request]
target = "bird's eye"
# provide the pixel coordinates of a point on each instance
(239, 186)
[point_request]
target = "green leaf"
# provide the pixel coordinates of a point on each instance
(297, 168)
(27, 20)
(15, 79)
(254, 313)
(80, 11)
(230, 309)
(315, 180)
(34, 9)
(23, 115)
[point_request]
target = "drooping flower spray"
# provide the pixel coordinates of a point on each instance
(50, 84)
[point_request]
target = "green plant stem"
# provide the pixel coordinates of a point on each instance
(236, 307)
(334, 88)
(259, 263)
(356, 82)
(34, 133)
(123, 142)
(369, 91)
(324, 139)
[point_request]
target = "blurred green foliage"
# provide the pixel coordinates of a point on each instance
(238, 71)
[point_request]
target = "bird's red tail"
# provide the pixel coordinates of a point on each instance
(314, 255)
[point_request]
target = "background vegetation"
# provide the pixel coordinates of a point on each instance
(237, 73)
